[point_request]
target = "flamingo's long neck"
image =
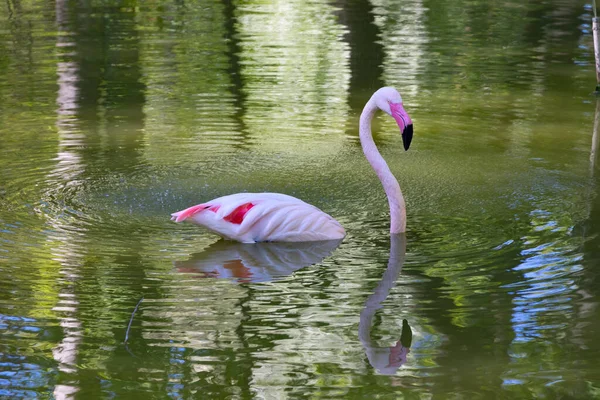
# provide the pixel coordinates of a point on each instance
(389, 182)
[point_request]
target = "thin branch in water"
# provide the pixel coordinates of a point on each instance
(131, 320)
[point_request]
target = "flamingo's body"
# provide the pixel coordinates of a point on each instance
(274, 217)
(263, 217)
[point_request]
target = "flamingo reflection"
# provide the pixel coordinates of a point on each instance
(386, 360)
(255, 262)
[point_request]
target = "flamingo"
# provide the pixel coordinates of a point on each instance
(275, 217)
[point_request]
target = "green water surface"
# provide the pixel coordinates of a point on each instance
(113, 114)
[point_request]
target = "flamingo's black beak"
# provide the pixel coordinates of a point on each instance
(404, 123)
(407, 135)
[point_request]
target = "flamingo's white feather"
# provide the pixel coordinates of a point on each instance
(273, 217)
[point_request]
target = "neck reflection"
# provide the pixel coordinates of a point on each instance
(386, 360)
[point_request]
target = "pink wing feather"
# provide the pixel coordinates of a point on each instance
(237, 215)
(188, 212)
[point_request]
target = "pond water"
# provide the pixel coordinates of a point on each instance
(115, 114)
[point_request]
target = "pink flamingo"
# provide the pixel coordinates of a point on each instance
(274, 217)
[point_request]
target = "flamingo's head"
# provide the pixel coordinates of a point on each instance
(389, 101)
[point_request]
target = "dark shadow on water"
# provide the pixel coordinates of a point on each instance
(234, 50)
(255, 262)
(366, 56)
(386, 360)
